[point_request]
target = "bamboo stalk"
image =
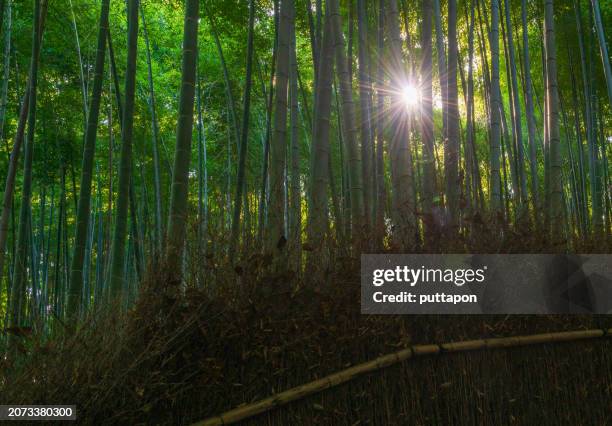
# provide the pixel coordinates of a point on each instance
(299, 392)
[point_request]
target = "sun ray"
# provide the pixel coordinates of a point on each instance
(410, 96)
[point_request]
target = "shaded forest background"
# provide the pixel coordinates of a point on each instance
(189, 186)
(509, 152)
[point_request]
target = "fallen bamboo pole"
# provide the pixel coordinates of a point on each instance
(250, 410)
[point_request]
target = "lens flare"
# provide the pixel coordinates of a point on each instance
(410, 96)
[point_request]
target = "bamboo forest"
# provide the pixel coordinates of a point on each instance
(189, 187)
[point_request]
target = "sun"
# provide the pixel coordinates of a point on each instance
(410, 96)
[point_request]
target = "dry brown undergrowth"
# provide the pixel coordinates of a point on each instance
(182, 353)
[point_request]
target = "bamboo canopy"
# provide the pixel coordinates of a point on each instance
(316, 386)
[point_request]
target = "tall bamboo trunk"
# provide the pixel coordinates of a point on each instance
(365, 99)
(552, 100)
(341, 200)
(508, 139)
(6, 65)
(349, 127)
(596, 205)
(451, 147)
(319, 178)
(517, 130)
(529, 110)
(471, 163)
(58, 290)
(278, 148)
(427, 121)
(603, 48)
(202, 174)
(240, 179)
(546, 138)
(9, 186)
(155, 141)
(117, 278)
(177, 222)
(581, 162)
(263, 193)
(400, 153)
(295, 201)
(381, 191)
(18, 291)
(442, 68)
(494, 117)
(89, 148)
(7, 31)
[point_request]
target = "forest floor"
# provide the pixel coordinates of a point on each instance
(178, 357)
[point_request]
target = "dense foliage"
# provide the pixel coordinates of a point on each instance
(342, 155)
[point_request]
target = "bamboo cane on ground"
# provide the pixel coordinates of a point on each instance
(300, 392)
